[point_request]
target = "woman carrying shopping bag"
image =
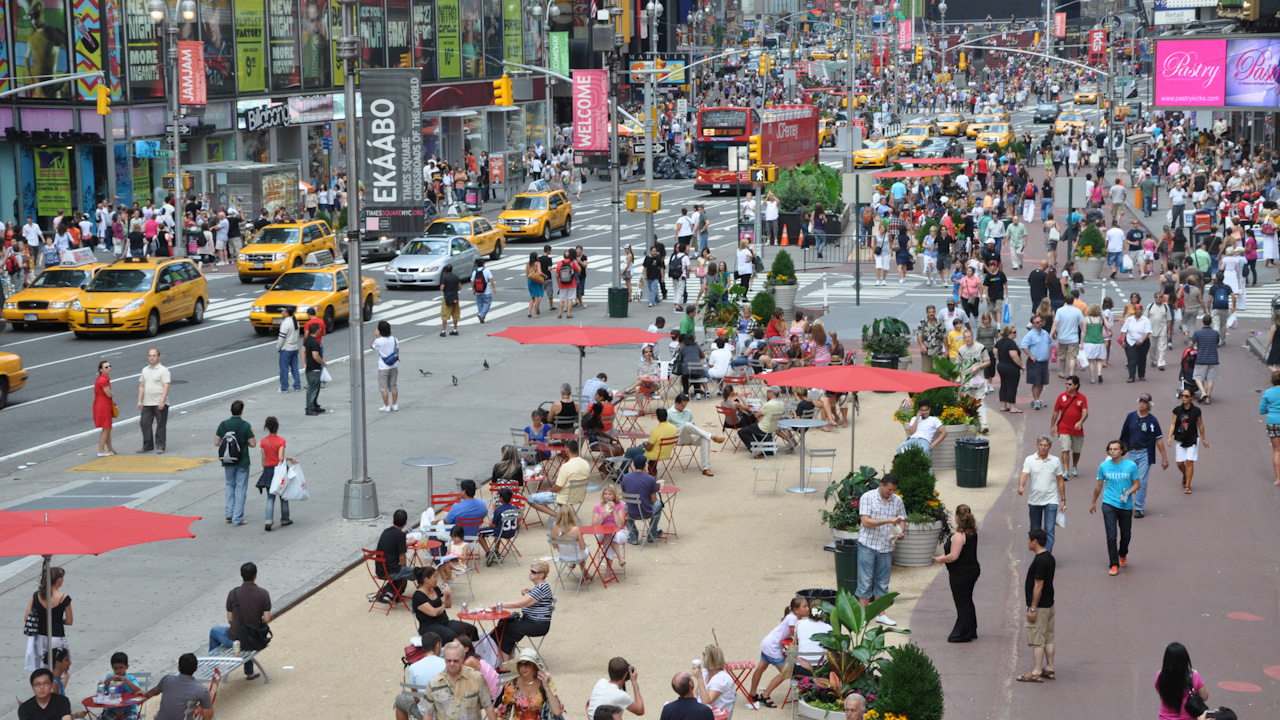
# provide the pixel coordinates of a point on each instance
(272, 447)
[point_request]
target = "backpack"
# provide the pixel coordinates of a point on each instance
(867, 215)
(565, 274)
(1030, 191)
(229, 450)
(675, 266)
(1221, 297)
(477, 282)
(11, 265)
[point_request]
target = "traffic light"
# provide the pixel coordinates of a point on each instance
(502, 91)
(764, 65)
(919, 54)
(963, 64)
(753, 149)
(1036, 40)
(104, 98)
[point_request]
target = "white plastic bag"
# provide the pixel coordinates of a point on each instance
(1126, 263)
(278, 480)
(325, 377)
(1232, 320)
(1082, 362)
(295, 488)
(1061, 520)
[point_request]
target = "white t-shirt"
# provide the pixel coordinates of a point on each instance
(1115, 240)
(684, 226)
(720, 359)
(771, 645)
(723, 684)
(806, 646)
(1042, 479)
(926, 428)
(384, 346)
(606, 693)
(421, 672)
(745, 266)
(770, 210)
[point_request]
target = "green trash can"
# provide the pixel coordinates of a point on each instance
(847, 564)
(618, 302)
(972, 455)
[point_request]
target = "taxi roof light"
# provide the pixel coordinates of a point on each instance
(77, 257)
(319, 258)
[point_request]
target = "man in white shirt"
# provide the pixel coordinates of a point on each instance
(925, 431)
(684, 227)
(953, 312)
(1137, 343)
(613, 690)
(749, 208)
(771, 210)
(1048, 495)
(719, 360)
(1115, 247)
(420, 673)
(220, 238)
(32, 234)
(809, 654)
(690, 434)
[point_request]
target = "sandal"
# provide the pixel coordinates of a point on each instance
(1048, 675)
(1186, 490)
(765, 701)
(1030, 678)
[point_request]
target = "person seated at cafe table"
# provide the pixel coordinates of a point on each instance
(44, 704)
(737, 408)
(566, 525)
(646, 372)
(537, 604)
(469, 509)
(182, 691)
(797, 355)
(430, 605)
(597, 425)
(572, 469)
(120, 674)
(420, 673)
(690, 434)
(646, 487)
(767, 418)
(652, 450)
(564, 412)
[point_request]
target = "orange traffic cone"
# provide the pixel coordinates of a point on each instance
(800, 240)
(785, 240)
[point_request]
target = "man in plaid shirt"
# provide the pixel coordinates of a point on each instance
(879, 511)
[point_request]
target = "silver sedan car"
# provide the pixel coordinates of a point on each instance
(422, 261)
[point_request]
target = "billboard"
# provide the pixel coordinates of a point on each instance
(218, 33)
(1225, 72)
(282, 19)
(591, 110)
(1060, 25)
(449, 32)
(4, 50)
(423, 37)
(88, 39)
(316, 64)
(1097, 45)
(191, 78)
(251, 45)
(391, 165)
(905, 29)
(41, 46)
(372, 30)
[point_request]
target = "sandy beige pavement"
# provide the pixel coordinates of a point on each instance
(739, 559)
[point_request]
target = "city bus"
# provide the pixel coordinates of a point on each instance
(788, 134)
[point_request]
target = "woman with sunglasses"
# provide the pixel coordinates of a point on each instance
(530, 695)
(537, 602)
(103, 408)
(646, 371)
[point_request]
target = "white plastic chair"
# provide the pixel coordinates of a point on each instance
(566, 546)
(766, 448)
(826, 456)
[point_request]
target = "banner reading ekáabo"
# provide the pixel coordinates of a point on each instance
(591, 110)
(391, 151)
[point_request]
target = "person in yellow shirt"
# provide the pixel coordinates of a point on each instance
(564, 491)
(955, 339)
(653, 449)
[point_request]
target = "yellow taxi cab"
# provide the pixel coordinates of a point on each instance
(49, 297)
(826, 132)
(1086, 95)
(912, 135)
(995, 134)
(489, 240)
(951, 124)
(981, 121)
(319, 283)
(876, 153)
(536, 215)
(280, 246)
(822, 55)
(12, 376)
(139, 295)
(1068, 121)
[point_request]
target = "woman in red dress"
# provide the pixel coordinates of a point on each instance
(103, 403)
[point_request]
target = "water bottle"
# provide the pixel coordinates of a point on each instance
(235, 647)
(102, 692)
(464, 608)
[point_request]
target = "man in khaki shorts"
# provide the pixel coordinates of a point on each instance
(450, 307)
(1039, 596)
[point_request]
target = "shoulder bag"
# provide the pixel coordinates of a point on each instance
(252, 637)
(1195, 705)
(31, 625)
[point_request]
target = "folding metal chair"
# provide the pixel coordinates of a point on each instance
(535, 641)
(577, 489)
(699, 379)
(766, 448)
(628, 412)
(375, 562)
(567, 546)
(667, 446)
(684, 455)
(526, 449)
(504, 537)
(738, 382)
(727, 420)
(827, 457)
(522, 502)
(441, 502)
(654, 519)
(214, 684)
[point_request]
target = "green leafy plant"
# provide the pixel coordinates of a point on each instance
(1091, 243)
(1019, 148)
(917, 487)
(800, 187)
(342, 219)
(856, 644)
(844, 513)
(322, 215)
(923, 230)
(762, 306)
(721, 306)
(783, 270)
(910, 685)
(886, 336)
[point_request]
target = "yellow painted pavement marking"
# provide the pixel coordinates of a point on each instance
(141, 464)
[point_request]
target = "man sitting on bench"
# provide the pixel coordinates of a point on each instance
(254, 609)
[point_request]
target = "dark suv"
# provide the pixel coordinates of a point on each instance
(1047, 112)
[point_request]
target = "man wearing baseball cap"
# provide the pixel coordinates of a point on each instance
(1141, 434)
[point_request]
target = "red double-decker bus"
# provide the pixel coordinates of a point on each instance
(788, 138)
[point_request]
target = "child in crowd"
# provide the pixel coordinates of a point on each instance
(120, 674)
(771, 652)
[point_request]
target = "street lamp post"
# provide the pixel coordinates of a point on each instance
(161, 12)
(538, 12)
(942, 13)
(651, 12)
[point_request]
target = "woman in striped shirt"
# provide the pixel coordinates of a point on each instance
(537, 602)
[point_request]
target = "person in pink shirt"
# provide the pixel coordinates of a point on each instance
(1175, 681)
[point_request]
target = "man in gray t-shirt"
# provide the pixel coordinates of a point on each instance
(1067, 324)
(181, 694)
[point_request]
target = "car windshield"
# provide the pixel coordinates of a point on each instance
(427, 247)
(916, 131)
(948, 118)
(449, 227)
(1086, 89)
(1048, 107)
(997, 128)
(124, 280)
(528, 202)
(276, 236)
(61, 279)
(932, 143)
(1072, 117)
(304, 281)
(986, 118)
(875, 145)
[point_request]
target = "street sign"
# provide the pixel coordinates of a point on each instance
(163, 154)
(682, 107)
(763, 174)
(182, 129)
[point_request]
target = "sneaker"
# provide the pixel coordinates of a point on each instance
(1114, 570)
(1124, 562)
(884, 620)
(1075, 472)
(1138, 514)
(453, 332)
(385, 409)
(395, 408)
(282, 391)
(443, 333)
(268, 527)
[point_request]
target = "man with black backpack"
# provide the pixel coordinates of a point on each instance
(248, 612)
(678, 271)
(482, 288)
(1223, 302)
(233, 440)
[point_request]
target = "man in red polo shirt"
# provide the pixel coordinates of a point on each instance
(1069, 413)
(313, 320)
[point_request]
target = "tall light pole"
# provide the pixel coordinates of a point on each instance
(161, 12)
(538, 12)
(946, 36)
(651, 12)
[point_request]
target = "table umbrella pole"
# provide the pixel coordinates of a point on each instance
(48, 608)
(853, 440)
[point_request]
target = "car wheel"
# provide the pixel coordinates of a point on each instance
(366, 312)
(197, 315)
(261, 330)
(153, 324)
(392, 286)
(246, 279)
(568, 227)
(4, 392)
(328, 319)
(546, 233)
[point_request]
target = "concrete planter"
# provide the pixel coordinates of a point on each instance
(1091, 268)
(944, 455)
(805, 710)
(844, 534)
(919, 546)
(784, 298)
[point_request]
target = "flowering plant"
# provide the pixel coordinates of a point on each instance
(844, 514)
(953, 415)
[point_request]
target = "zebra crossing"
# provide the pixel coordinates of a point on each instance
(422, 311)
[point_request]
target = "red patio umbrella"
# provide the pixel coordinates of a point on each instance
(934, 161)
(90, 531)
(909, 174)
(855, 378)
(581, 337)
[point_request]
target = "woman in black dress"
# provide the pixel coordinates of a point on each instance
(963, 570)
(1273, 342)
(1009, 367)
(430, 605)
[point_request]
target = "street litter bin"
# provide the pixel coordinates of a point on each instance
(972, 455)
(816, 595)
(618, 302)
(847, 565)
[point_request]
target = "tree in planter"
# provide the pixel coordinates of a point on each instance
(855, 646)
(844, 514)
(910, 685)
(802, 186)
(762, 306)
(722, 307)
(783, 270)
(917, 487)
(1091, 244)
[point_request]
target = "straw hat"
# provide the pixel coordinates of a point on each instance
(530, 655)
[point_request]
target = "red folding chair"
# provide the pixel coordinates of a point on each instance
(727, 420)
(498, 486)
(684, 455)
(214, 684)
(373, 560)
(522, 502)
(442, 502)
(665, 445)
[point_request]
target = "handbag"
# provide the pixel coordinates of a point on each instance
(115, 410)
(534, 274)
(1195, 705)
(252, 637)
(31, 625)
(545, 713)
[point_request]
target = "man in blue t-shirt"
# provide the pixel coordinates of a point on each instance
(1118, 480)
(468, 510)
(1141, 434)
(638, 482)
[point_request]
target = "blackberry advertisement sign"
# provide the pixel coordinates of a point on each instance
(391, 152)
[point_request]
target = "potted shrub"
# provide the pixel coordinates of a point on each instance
(722, 308)
(783, 283)
(855, 647)
(910, 686)
(799, 188)
(1090, 252)
(762, 306)
(844, 517)
(885, 341)
(957, 411)
(927, 520)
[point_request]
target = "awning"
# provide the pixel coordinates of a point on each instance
(457, 113)
(502, 108)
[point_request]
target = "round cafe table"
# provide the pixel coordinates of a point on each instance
(604, 537)
(802, 425)
(430, 462)
(668, 493)
(480, 617)
(128, 699)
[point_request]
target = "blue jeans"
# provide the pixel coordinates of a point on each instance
(704, 241)
(1046, 517)
(271, 508)
(288, 364)
(483, 301)
(1139, 458)
(1113, 518)
(820, 240)
(1114, 259)
(653, 526)
(218, 638)
(916, 442)
(237, 486)
(653, 292)
(1046, 207)
(1146, 205)
(873, 573)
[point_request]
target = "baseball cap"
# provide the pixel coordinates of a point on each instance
(1145, 397)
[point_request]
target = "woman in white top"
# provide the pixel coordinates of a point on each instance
(713, 685)
(771, 652)
(628, 266)
(1233, 274)
(883, 253)
(746, 263)
(567, 524)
